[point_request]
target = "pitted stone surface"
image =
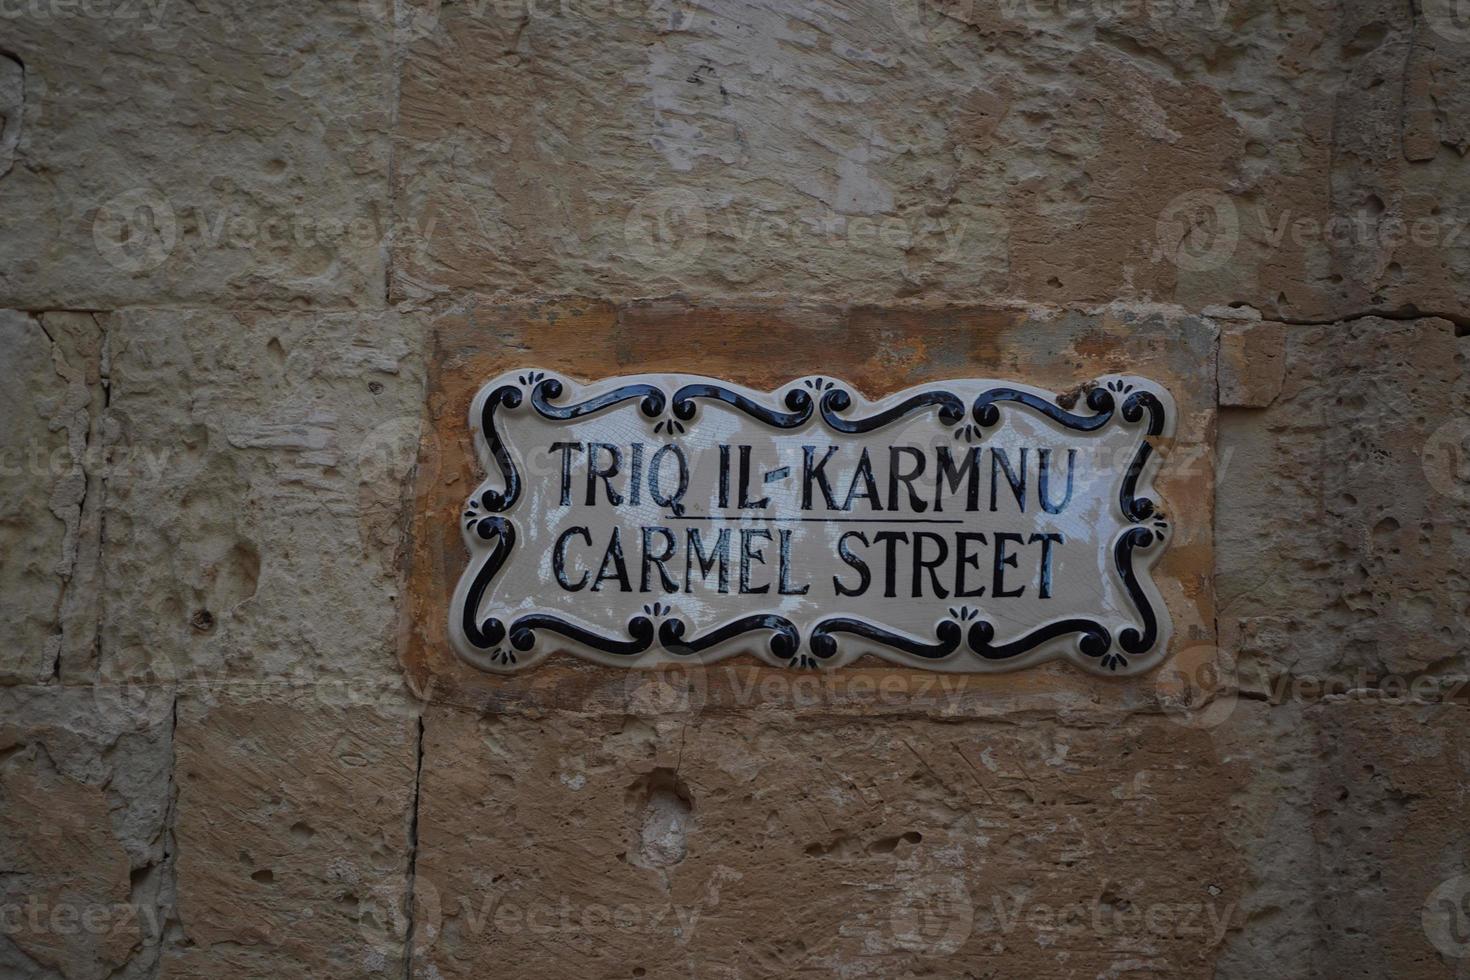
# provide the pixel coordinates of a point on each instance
(294, 834)
(266, 449)
(168, 153)
(52, 403)
(1252, 364)
(1340, 558)
(85, 795)
(1303, 160)
(830, 846)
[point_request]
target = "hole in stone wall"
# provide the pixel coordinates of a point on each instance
(887, 845)
(664, 814)
(1367, 38)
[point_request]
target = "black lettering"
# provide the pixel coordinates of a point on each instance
(655, 472)
(945, 472)
(724, 477)
(811, 470)
(907, 479)
(863, 472)
(865, 577)
(963, 560)
(932, 565)
(1047, 540)
(997, 585)
(890, 541)
(613, 555)
(649, 558)
(566, 449)
(606, 475)
(1043, 478)
(720, 552)
(745, 502)
(746, 554)
(1000, 461)
(635, 476)
(784, 579)
(559, 558)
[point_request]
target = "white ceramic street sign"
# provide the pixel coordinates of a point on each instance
(965, 525)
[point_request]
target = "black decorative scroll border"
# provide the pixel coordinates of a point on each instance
(1094, 640)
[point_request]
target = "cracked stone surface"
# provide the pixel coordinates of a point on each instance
(12, 102)
(53, 402)
(1342, 893)
(85, 797)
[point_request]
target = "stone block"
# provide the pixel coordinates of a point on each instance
(1252, 364)
(1394, 868)
(256, 533)
(760, 844)
(295, 837)
(165, 153)
(52, 402)
(85, 794)
(1195, 154)
(1343, 508)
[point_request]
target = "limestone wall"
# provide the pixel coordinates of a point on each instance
(257, 257)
